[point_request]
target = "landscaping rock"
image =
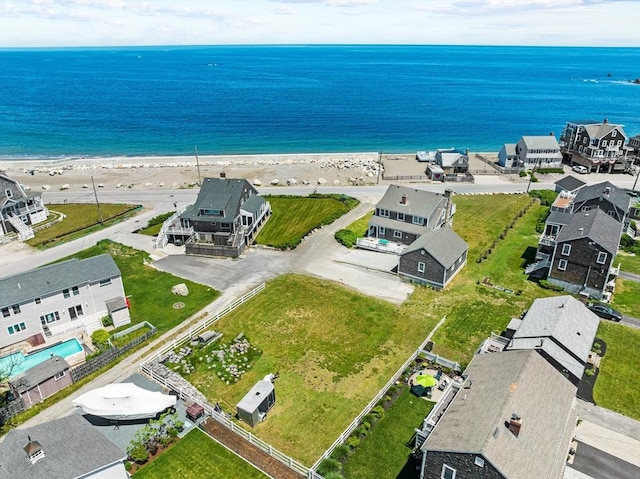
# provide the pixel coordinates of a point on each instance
(180, 289)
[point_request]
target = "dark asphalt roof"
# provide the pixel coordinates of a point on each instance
(39, 373)
(570, 183)
(443, 244)
(225, 194)
(596, 225)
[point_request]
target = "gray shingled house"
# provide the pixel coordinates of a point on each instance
(45, 303)
(224, 220)
(434, 258)
(513, 419)
(19, 210)
(65, 448)
(404, 214)
(568, 183)
(41, 381)
(561, 329)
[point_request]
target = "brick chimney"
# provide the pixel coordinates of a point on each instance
(449, 205)
(403, 200)
(515, 423)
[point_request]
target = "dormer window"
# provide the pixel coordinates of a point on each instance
(211, 212)
(614, 132)
(9, 193)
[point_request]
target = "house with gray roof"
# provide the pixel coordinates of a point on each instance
(539, 151)
(404, 214)
(41, 381)
(569, 183)
(562, 330)
(606, 197)
(19, 210)
(434, 258)
(599, 146)
(507, 156)
(66, 448)
(45, 303)
(513, 419)
(224, 220)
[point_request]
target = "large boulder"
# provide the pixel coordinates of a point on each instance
(180, 289)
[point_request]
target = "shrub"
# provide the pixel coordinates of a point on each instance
(547, 285)
(138, 452)
(329, 465)
(100, 339)
(106, 321)
(546, 197)
(544, 171)
(589, 372)
(156, 220)
(522, 174)
(534, 178)
(333, 475)
(341, 453)
(378, 411)
(353, 441)
(346, 237)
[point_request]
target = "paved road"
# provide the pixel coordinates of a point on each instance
(600, 465)
(631, 276)
(608, 419)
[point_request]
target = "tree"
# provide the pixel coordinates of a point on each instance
(9, 366)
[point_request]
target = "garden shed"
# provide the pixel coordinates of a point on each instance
(254, 406)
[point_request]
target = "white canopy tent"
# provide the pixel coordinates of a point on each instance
(124, 401)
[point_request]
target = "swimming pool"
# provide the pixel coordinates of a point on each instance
(65, 350)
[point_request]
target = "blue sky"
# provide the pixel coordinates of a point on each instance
(27, 23)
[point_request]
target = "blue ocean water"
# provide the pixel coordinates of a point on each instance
(283, 99)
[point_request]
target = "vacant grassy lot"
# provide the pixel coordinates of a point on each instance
(617, 384)
(628, 262)
(150, 290)
(293, 217)
(196, 456)
(334, 349)
(383, 453)
(80, 220)
(627, 297)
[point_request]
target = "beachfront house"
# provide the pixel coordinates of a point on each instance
(507, 157)
(561, 329)
(452, 161)
(434, 258)
(68, 447)
(404, 214)
(224, 220)
(598, 146)
(539, 152)
(46, 303)
(41, 381)
(513, 419)
(19, 210)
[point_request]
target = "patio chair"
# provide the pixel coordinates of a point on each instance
(438, 375)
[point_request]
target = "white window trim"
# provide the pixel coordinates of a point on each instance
(417, 220)
(382, 230)
(421, 267)
(383, 213)
(446, 468)
(479, 461)
(566, 249)
(602, 255)
(59, 376)
(400, 216)
(562, 265)
(397, 234)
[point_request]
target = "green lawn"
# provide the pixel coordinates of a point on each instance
(196, 456)
(627, 297)
(293, 217)
(155, 224)
(617, 384)
(628, 262)
(384, 452)
(333, 348)
(80, 220)
(149, 290)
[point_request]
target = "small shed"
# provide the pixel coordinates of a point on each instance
(118, 309)
(254, 406)
(41, 381)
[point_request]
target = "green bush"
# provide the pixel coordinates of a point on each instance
(522, 174)
(329, 465)
(138, 452)
(100, 339)
(353, 441)
(378, 411)
(546, 197)
(546, 171)
(346, 237)
(156, 220)
(341, 453)
(547, 285)
(534, 178)
(106, 321)
(333, 475)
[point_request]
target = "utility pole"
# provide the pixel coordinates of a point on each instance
(198, 165)
(533, 170)
(379, 167)
(95, 193)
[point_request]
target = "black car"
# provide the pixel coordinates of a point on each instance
(604, 311)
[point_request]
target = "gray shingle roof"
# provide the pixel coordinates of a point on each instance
(558, 218)
(543, 142)
(567, 321)
(601, 129)
(253, 204)
(570, 183)
(54, 278)
(607, 192)
(39, 373)
(419, 202)
(115, 304)
(596, 225)
(443, 244)
(398, 225)
(219, 194)
(72, 447)
(510, 149)
(520, 382)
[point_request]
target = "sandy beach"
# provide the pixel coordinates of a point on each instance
(174, 172)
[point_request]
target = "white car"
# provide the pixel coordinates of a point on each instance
(580, 169)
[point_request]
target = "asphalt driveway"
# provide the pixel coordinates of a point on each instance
(601, 465)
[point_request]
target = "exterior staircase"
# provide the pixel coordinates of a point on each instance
(543, 263)
(25, 232)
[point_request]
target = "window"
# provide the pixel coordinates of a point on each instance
(562, 265)
(65, 293)
(421, 267)
(16, 328)
(105, 282)
(448, 472)
(566, 249)
(50, 317)
(59, 376)
(75, 291)
(75, 312)
(397, 234)
(209, 212)
(619, 142)
(614, 132)
(5, 312)
(479, 461)
(38, 300)
(16, 308)
(382, 230)
(400, 216)
(604, 142)
(383, 213)
(9, 193)
(602, 257)
(417, 220)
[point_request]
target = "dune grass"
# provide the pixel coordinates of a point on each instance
(195, 456)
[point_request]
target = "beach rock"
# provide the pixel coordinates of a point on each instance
(180, 289)
(257, 182)
(275, 181)
(336, 182)
(46, 187)
(65, 187)
(148, 184)
(321, 181)
(161, 184)
(100, 185)
(27, 187)
(84, 187)
(119, 185)
(306, 182)
(291, 181)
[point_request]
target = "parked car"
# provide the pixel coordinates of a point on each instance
(604, 311)
(580, 169)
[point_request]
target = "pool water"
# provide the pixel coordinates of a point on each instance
(65, 349)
